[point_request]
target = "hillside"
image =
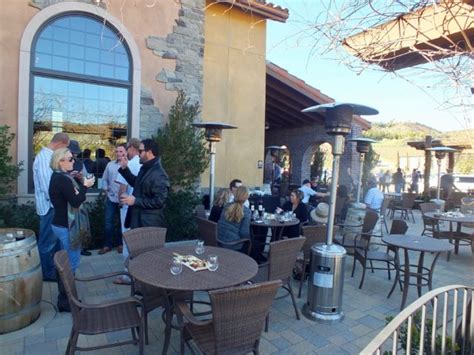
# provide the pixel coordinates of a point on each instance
(400, 130)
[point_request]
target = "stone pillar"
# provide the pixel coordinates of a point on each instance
(451, 161)
(427, 172)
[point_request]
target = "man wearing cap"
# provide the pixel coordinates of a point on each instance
(374, 197)
(47, 242)
(308, 191)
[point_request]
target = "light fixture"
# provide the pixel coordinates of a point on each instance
(213, 134)
(440, 153)
(363, 147)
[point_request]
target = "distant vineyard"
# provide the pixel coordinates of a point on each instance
(396, 131)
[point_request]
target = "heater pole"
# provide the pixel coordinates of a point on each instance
(212, 152)
(361, 171)
(337, 152)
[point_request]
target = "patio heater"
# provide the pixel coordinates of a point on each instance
(212, 134)
(325, 282)
(440, 153)
(363, 147)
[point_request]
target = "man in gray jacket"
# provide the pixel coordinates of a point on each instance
(150, 189)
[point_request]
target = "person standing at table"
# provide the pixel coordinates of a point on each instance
(70, 221)
(111, 188)
(398, 180)
(308, 191)
(415, 178)
(47, 242)
(374, 197)
(296, 206)
(234, 223)
(150, 189)
(447, 183)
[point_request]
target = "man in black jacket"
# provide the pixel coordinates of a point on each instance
(151, 186)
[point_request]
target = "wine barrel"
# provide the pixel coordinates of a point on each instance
(21, 281)
(354, 217)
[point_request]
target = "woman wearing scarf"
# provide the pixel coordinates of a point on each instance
(70, 223)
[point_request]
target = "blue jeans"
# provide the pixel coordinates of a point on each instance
(398, 188)
(111, 212)
(48, 244)
(74, 254)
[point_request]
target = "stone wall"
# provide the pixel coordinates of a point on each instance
(302, 143)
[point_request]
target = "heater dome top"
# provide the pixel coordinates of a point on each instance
(357, 109)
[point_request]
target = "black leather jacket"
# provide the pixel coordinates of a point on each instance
(150, 188)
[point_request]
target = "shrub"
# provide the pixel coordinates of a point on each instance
(179, 215)
(13, 215)
(8, 171)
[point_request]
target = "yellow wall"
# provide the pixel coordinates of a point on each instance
(140, 20)
(234, 92)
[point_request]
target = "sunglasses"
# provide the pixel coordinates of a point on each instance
(70, 159)
(141, 150)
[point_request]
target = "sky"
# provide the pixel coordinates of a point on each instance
(394, 98)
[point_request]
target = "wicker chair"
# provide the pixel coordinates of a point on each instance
(237, 320)
(208, 233)
(406, 206)
(383, 212)
(370, 220)
(138, 241)
(313, 234)
(281, 261)
(201, 211)
(91, 319)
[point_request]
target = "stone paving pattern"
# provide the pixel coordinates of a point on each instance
(365, 311)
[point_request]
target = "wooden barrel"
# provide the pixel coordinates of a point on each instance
(355, 217)
(21, 281)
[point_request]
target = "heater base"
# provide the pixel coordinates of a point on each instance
(322, 317)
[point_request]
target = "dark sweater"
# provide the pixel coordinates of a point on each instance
(216, 212)
(62, 192)
(301, 212)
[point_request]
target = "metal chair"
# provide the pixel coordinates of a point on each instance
(406, 206)
(238, 315)
(349, 231)
(91, 319)
(429, 224)
(281, 260)
(208, 233)
(383, 212)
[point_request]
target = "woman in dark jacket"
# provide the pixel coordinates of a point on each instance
(66, 194)
(234, 223)
(296, 206)
(222, 197)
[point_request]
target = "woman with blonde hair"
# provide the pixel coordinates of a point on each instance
(234, 223)
(222, 197)
(70, 222)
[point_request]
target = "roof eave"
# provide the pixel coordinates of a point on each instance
(261, 8)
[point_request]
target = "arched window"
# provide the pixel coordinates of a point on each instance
(81, 82)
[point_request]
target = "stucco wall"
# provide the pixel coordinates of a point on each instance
(234, 92)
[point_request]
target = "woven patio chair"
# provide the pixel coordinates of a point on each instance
(406, 206)
(398, 227)
(370, 220)
(238, 315)
(281, 261)
(383, 213)
(200, 211)
(208, 233)
(91, 319)
(313, 234)
(138, 241)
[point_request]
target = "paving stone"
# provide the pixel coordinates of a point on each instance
(281, 343)
(46, 348)
(372, 322)
(291, 336)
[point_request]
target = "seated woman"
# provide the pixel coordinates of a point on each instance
(223, 195)
(234, 223)
(299, 208)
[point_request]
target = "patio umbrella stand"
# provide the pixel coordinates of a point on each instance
(326, 278)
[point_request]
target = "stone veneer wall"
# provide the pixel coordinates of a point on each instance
(185, 45)
(302, 142)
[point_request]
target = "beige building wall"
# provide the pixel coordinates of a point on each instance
(234, 92)
(139, 19)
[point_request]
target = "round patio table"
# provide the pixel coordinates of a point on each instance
(275, 226)
(456, 237)
(423, 274)
(153, 268)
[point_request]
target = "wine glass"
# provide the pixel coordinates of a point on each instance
(213, 264)
(9, 237)
(176, 266)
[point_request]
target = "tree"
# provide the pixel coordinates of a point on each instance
(184, 157)
(371, 160)
(8, 171)
(182, 147)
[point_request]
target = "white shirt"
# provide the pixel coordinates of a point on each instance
(41, 177)
(308, 192)
(134, 165)
(374, 198)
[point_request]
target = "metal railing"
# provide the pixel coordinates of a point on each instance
(439, 322)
